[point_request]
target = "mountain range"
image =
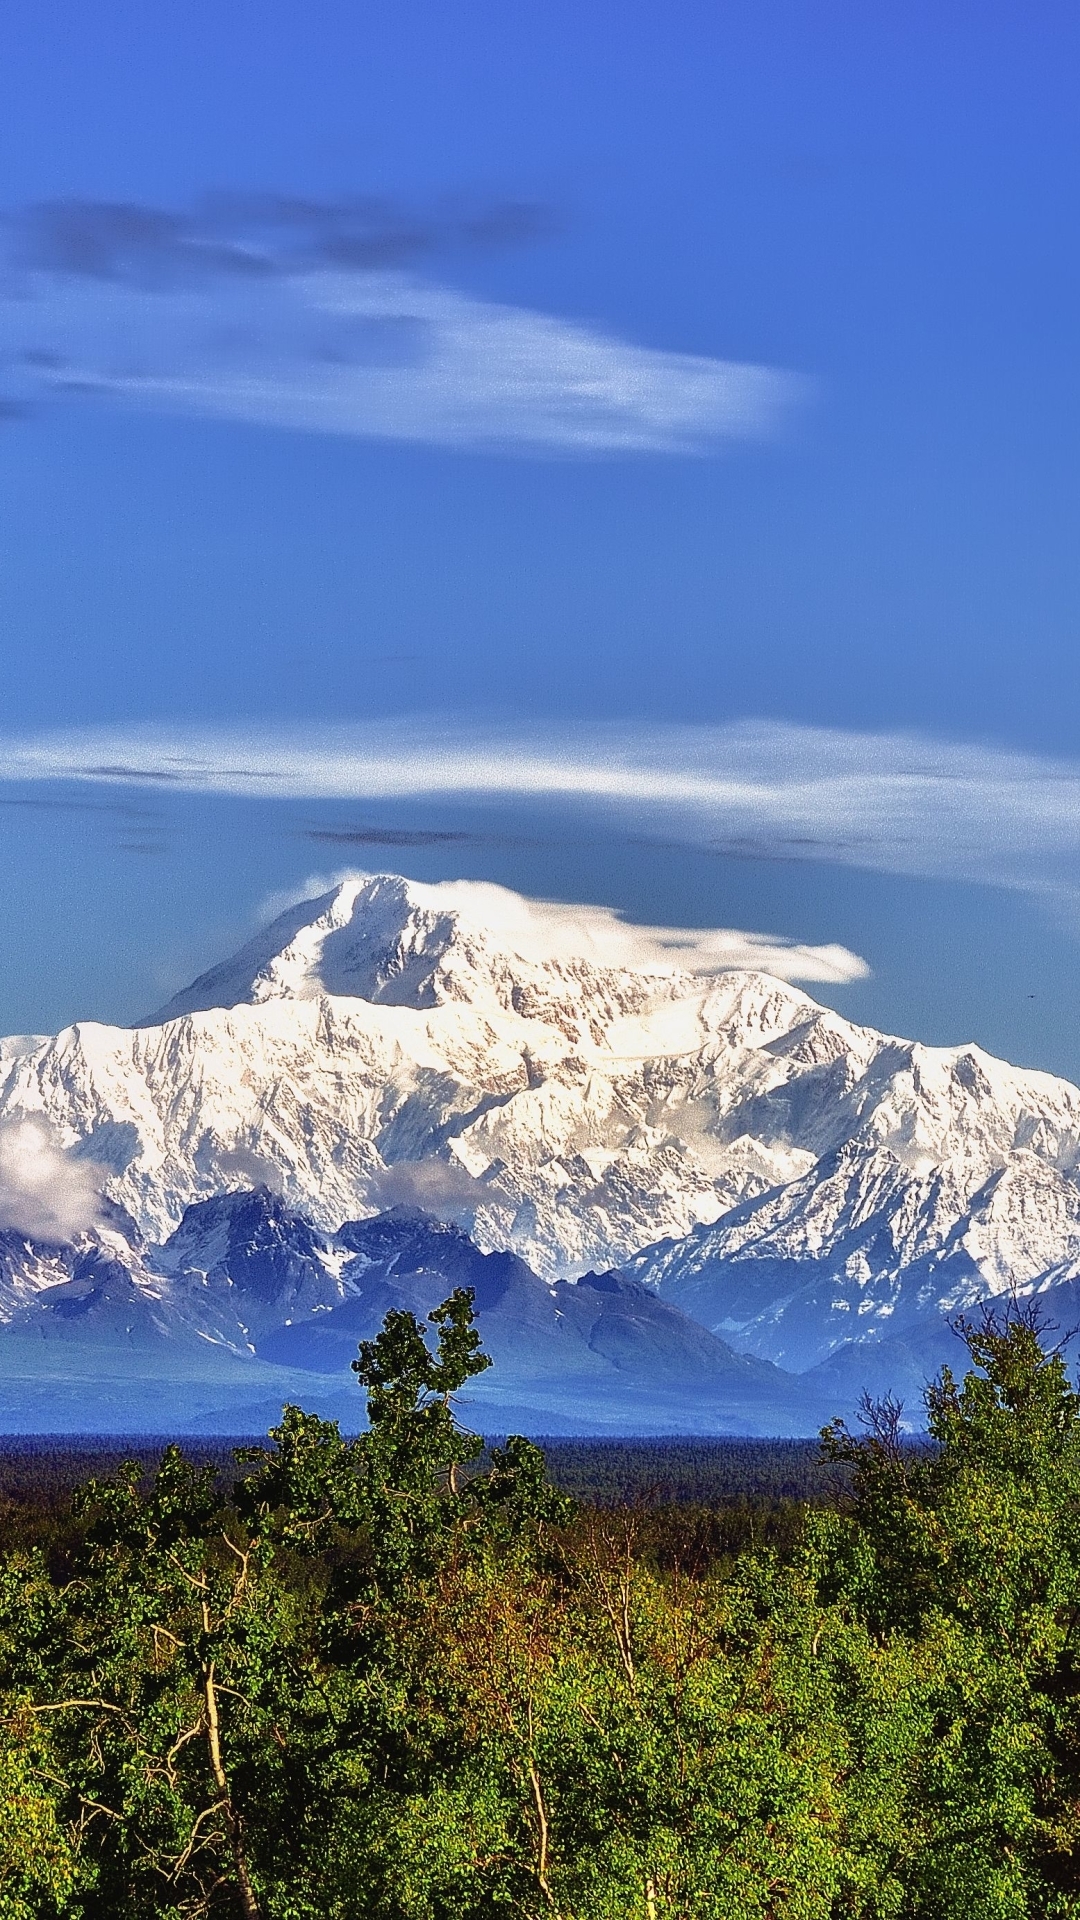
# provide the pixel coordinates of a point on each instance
(684, 1199)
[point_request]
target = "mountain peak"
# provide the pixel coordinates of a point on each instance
(397, 942)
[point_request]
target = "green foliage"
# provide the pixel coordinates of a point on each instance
(393, 1678)
(968, 1554)
(38, 1867)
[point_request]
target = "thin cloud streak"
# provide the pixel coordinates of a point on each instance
(301, 316)
(389, 837)
(258, 235)
(891, 802)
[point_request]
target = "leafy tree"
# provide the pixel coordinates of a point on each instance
(39, 1871)
(385, 1521)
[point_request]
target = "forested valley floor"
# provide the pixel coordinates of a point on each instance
(410, 1675)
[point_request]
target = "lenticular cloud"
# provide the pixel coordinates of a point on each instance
(890, 802)
(539, 930)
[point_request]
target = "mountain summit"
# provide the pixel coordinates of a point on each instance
(397, 943)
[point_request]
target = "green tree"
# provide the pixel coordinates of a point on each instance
(385, 1524)
(962, 1557)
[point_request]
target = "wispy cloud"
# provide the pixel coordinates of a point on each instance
(437, 1186)
(302, 315)
(260, 235)
(894, 802)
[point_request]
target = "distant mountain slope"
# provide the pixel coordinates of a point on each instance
(247, 1305)
(588, 1327)
(867, 1245)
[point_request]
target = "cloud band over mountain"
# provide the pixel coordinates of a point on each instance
(891, 802)
(551, 930)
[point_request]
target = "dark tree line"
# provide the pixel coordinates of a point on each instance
(399, 1677)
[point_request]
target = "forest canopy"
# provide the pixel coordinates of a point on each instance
(400, 1676)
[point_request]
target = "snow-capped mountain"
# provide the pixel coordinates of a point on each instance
(388, 1043)
(789, 1178)
(576, 1332)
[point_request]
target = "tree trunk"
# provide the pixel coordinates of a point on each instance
(249, 1906)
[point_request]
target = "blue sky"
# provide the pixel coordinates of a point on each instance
(681, 396)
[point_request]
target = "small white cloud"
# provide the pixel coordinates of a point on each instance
(435, 1186)
(44, 1192)
(549, 929)
(248, 1168)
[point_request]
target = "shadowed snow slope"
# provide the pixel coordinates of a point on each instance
(795, 1180)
